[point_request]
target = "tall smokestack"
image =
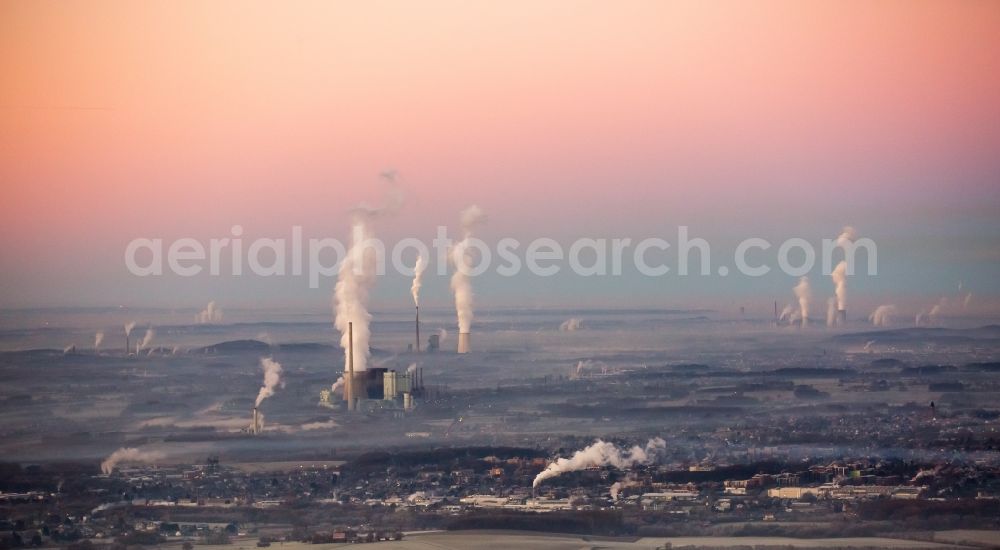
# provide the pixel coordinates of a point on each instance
(349, 393)
(841, 317)
(254, 421)
(464, 344)
(418, 329)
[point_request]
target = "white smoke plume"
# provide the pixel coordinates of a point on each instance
(616, 488)
(272, 377)
(967, 300)
(602, 453)
(211, 314)
(129, 327)
(882, 316)
(804, 293)
(357, 276)
(929, 318)
(461, 283)
(868, 346)
(418, 276)
(338, 385)
(147, 338)
(110, 506)
(412, 368)
(935, 311)
(831, 311)
(847, 236)
(839, 277)
(98, 338)
(442, 335)
(129, 455)
(570, 325)
(69, 349)
(787, 314)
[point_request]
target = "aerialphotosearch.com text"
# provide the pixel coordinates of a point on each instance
(321, 257)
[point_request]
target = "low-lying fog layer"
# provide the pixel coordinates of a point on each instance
(537, 378)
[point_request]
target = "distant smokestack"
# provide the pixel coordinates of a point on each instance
(464, 342)
(128, 331)
(841, 317)
(418, 329)
(254, 421)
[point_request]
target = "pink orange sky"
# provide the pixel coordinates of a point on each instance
(559, 118)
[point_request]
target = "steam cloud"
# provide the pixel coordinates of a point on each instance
(931, 317)
(129, 327)
(839, 275)
(357, 276)
(882, 316)
(98, 338)
(603, 453)
(148, 338)
(129, 454)
(211, 314)
(804, 293)
(418, 276)
(272, 377)
(570, 325)
(616, 488)
(847, 236)
(338, 385)
(461, 284)
(787, 314)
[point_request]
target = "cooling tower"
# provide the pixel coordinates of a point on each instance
(464, 342)
(841, 317)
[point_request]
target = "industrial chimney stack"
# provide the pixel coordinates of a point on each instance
(842, 317)
(464, 343)
(255, 422)
(418, 329)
